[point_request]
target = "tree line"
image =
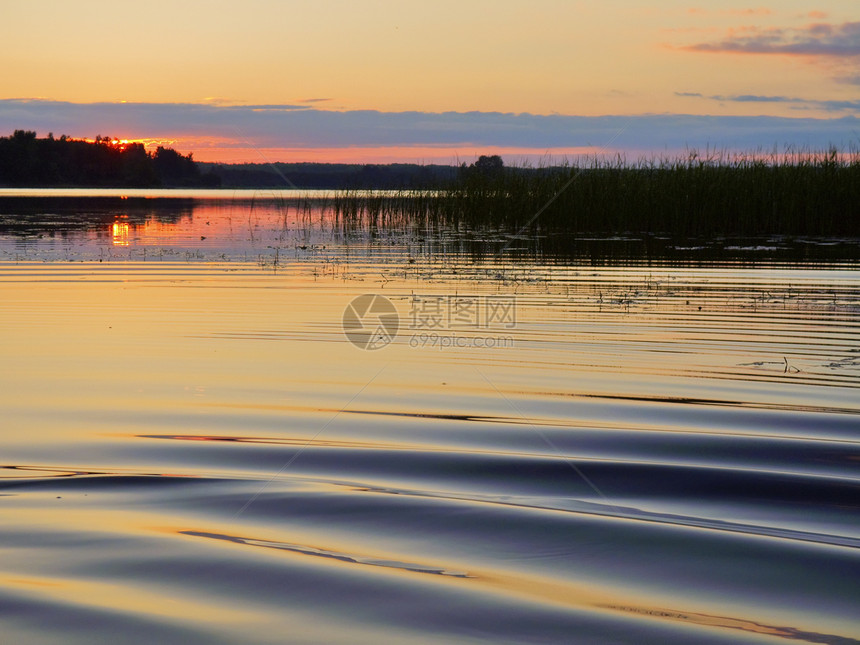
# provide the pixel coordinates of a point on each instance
(28, 161)
(351, 176)
(335, 176)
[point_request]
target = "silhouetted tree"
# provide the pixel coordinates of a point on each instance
(489, 164)
(137, 166)
(26, 160)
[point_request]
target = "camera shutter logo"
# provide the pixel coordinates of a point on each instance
(370, 321)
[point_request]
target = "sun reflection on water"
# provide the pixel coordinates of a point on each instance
(120, 233)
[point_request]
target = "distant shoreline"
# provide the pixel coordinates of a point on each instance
(797, 193)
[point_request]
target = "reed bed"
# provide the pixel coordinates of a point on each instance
(792, 193)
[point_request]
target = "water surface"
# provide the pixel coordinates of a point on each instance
(639, 449)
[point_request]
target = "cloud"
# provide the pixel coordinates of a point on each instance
(818, 39)
(269, 106)
(756, 98)
(850, 79)
(831, 105)
(244, 127)
(760, 11)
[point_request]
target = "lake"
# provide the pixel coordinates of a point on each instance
(232, 417)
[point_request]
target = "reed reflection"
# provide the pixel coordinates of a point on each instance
(264, 229)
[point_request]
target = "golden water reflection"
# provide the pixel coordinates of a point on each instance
(120, 233)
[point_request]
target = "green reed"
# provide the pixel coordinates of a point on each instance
(797, 192)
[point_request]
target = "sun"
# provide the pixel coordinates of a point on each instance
(119, 144)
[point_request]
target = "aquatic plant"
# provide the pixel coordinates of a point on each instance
(796, 192)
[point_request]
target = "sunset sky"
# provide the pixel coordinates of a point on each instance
(441, 81)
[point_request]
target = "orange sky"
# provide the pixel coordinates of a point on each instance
(544, 57)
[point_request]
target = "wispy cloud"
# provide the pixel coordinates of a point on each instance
(757, 98)
(759, 11)
(818, 39)
(848, 79)
(831, 105)
(269, 106)
(273, 128)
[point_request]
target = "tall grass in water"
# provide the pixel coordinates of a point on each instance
(793, 193)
